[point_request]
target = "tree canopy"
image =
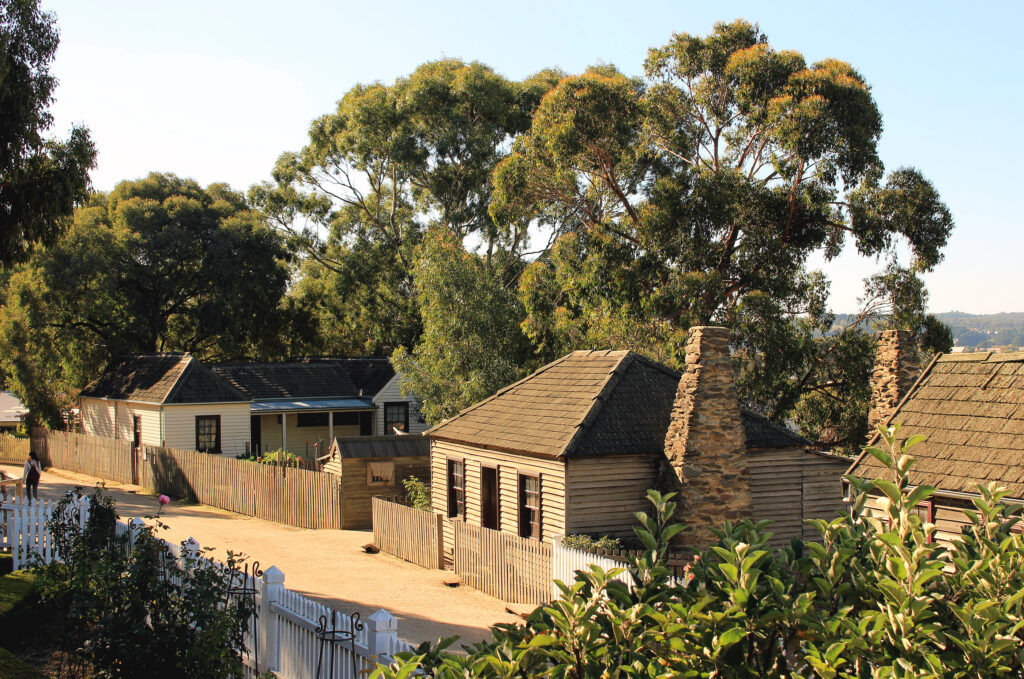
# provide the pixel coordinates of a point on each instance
(159, 264)
(41, 180)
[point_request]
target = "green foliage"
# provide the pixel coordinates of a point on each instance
(471, 345)
(159, 264)
(129, 608)
(418, 492)
(12, 667)
(696, 195)
(41, 180)
(279, 455)
(590, 543)
(876, 597)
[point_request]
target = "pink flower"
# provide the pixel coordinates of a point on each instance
(163, 499)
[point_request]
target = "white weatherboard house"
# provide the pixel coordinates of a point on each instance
(175, 400)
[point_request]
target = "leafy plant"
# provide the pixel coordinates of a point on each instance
(418, 492)
(590, 543)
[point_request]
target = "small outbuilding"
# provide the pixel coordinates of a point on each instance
(374, 465)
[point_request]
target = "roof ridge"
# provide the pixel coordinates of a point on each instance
(503, 390)
(599, 399)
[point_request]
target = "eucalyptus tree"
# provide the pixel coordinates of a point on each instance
(696, 195)
(389, 163)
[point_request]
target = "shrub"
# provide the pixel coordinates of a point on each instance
(589, 543)
(875, 598)
(418, 492)
(129, 608)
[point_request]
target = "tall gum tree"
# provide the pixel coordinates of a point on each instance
(696, 195)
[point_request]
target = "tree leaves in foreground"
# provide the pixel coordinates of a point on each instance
(696, 196)
(877, 597)
(159, 264)
(41, 180)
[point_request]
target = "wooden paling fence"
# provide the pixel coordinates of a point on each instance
(14, 450)
(503, 565)
(408, 533)
(297, 497)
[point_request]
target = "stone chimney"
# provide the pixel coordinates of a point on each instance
(895, 371)
(705, 445)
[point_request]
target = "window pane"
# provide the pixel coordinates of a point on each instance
(456, 488)
(396, 417)
(529, 507)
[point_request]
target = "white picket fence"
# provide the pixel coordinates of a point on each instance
(565, 561)
(285, 635)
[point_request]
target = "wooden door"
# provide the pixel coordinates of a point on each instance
(489, 497)
(136, 430)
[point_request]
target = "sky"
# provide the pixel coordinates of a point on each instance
(217, 90)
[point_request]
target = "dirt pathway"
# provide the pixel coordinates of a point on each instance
(327, 565)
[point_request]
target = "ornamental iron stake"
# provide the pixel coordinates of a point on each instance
(336, 636)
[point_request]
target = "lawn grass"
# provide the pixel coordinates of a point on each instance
(15, 588)
(16, 591)
(12, 667)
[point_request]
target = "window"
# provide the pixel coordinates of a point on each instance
(456, 488)
(396, 417)
(346, 419)
(380, 473)
(926, 512)
(208, 433)
(311, 420)
(529, 506)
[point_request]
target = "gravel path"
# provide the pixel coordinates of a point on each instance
(327, 565)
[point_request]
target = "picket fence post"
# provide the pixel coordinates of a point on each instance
(269, 633)
(382, 637)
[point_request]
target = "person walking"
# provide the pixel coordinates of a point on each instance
(32, 473)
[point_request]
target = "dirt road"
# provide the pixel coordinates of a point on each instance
(328, 565)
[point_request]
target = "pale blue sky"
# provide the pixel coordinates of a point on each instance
(216, 90)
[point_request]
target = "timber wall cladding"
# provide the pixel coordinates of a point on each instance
(357, 493)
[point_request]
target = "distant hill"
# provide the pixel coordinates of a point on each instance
(983, 331)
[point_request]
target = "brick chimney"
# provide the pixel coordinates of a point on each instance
(895, 371)
(705, 445)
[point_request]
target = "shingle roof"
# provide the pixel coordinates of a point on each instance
(588, 403)
(971, 408)
(407, 445)
(161, 378)
(343, 377)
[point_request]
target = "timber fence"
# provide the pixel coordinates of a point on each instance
(297, 497)
(565, 561)
(290, 635)
(506, 566)
(14, 450)
(408, 533)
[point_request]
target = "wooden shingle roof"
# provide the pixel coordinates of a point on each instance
(586, 404)
(309, 378)
(161, 378)
(971, 408)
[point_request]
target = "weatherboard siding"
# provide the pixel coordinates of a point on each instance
(602, 493)
(392, 393)
(307, 442)
(180, 426)
(97, 417)
(510, 466)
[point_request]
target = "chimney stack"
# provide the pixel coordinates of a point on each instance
(895, 371)
(705, 445)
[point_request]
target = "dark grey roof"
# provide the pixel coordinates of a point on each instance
(586, 404)
(309, 378)
(162, 378)
(408, 445)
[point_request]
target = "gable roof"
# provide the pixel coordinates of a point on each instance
(405, 445)
(161, 378)
(309, 378)
(585, 404)
(971, 408)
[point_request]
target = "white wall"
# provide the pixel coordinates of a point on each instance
(390, 394)
(180, 425)
(113, 419)
(97, 417)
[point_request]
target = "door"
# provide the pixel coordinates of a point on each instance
(136, 430)
(256, 434)
(489, 497)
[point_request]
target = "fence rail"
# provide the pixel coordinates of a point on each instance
(297, 497)
(14, 450)
(503, 565)
(408, 533)
(286, 630)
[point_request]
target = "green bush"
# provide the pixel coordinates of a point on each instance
(129, 608)
(875, 598)
(12, 667)
(589, 543)
(418, 492)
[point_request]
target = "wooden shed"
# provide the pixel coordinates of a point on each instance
(374, 465)
(574, 447)
(970, 406)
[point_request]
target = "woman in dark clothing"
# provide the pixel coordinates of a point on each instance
(33, 471)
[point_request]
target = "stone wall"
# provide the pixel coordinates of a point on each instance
(894, 374)
(705, 446)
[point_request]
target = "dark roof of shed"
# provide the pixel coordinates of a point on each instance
(585, 404)
(407, 445)
(162, 378)
(971, 409)
(309, 378)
